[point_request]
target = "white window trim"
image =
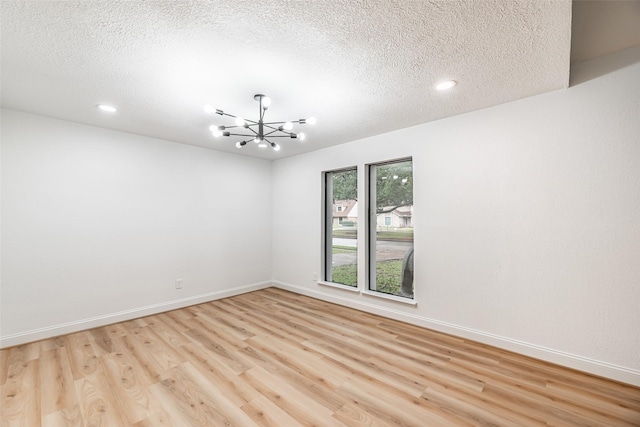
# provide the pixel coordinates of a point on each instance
(370, 233)
(395, 298)
(339, 286)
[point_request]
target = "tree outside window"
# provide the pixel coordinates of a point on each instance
(391, 228)
(340, 227)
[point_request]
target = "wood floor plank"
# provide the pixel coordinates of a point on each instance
(300, 407)
(300, 359)
(51, 343)
(132, 347)
(260, 322)
(163, 327)
(381, 408)
(97, 402)
(82, 358)
(236, 389)
(266, 414)
(362, 365)
(101, 340)
(68, 417)
(57, 390)
(219, 397)
(194, 402)
(476, 408)
(275, 358)
(219, 348)
(319, 391)
(162, 353)
(128, 388)
(4, 365)
(20, 404)
(353, 414)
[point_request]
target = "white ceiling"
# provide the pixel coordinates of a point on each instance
(360, 67)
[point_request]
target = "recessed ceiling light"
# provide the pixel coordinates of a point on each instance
(448, 84)
(107, 108)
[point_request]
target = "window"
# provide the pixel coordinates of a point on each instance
(390, 230)
(340, 235)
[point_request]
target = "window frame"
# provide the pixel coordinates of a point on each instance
(327, 230)
(370, 232)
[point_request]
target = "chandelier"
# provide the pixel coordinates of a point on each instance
(260, 132)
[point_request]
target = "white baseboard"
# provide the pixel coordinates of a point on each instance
(121, 316)
(595, 367)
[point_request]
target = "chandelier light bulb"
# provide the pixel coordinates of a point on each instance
(215, 131)
(239, 144)
(287, 126)
(302, 136)
(209, 109)
(240, 121)
(262, 145)
(266, 102)
(311, 120)
(276, 147)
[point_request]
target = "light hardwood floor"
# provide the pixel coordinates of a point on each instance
(273, 358)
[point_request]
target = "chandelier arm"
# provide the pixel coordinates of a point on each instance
(253, 123)
(272, 129)
(272, 132)
(281, 123)
(232, 127)
(280, 136)
(227, 114)
(238, 134)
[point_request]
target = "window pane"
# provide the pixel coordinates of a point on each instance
(340, 228)
(391, 228)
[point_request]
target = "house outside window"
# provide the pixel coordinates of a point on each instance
(340, 255)
(390, 228)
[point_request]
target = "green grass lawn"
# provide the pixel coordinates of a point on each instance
(388, 275)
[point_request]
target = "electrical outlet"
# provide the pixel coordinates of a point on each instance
(178, 283)
(315, 277)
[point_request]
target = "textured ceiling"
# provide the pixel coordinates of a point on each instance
(360, 67)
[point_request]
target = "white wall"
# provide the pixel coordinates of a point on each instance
(97, 225)
(527, 222)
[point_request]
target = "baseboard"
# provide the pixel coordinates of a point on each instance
(121, 316)
(584, 364)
